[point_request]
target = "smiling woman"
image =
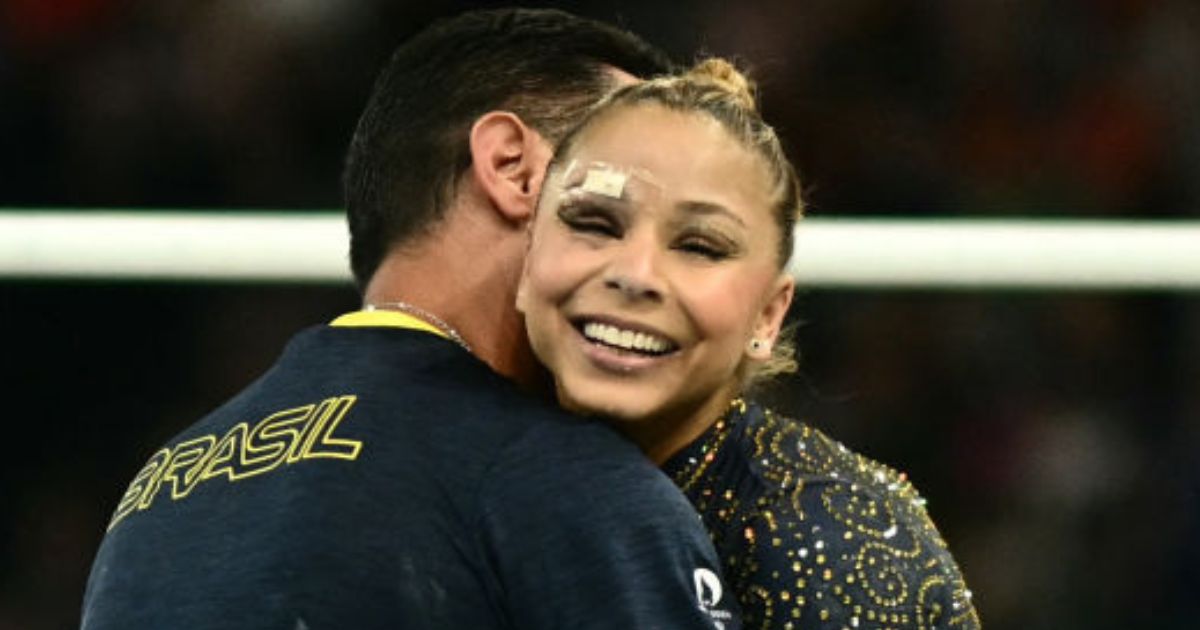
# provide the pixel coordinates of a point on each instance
(664, 270)
(654, 291)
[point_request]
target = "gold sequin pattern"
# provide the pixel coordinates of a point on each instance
(814, 535)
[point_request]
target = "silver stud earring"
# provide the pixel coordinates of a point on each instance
(756, 345)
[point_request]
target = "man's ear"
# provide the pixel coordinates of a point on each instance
(508, 160)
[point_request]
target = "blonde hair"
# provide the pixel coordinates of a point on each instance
(716, 88)
(736, 85)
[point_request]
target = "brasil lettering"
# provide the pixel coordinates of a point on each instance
(282, 438)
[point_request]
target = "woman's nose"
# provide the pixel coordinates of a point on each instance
(634, 271)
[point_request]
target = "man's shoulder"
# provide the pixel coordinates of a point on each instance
(565, 449)
(580, 461)
(412, 396)
(408, 373)
(421, 380)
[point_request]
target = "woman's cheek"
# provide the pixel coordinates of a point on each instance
(721, 301)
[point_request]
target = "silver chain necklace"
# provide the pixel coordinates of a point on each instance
(424, 315)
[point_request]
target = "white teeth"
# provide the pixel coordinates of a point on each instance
(625, 339)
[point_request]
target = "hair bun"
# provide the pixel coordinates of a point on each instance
(727, 77)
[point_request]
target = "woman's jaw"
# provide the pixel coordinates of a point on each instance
(638, 390)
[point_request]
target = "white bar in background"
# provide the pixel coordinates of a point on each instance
(202, 246)
(986, 254)
(929, 253)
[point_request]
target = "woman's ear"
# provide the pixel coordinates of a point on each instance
(770, 318)
(508, 160)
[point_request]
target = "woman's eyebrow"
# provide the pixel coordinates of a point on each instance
(709, 208)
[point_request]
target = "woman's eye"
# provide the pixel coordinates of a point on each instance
(704, 248)
(590, 221)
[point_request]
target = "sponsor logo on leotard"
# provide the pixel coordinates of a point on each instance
(283, 438)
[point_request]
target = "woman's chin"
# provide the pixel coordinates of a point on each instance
(619, 414)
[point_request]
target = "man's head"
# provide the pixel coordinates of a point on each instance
(411, 146)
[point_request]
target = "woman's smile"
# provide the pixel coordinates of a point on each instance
(623, 347)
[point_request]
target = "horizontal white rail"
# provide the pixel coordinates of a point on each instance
(830, 253)
(209, 246)
(976, 253)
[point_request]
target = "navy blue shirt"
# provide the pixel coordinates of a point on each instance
(379, 477)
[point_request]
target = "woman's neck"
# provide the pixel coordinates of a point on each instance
(664, 435)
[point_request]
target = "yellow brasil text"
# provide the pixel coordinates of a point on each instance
(282, 438)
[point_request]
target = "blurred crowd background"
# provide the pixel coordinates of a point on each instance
(1055, 435)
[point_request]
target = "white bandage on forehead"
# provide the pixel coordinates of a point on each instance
(628, 184)
(605, 182)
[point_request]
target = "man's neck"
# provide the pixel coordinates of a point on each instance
(466, 276)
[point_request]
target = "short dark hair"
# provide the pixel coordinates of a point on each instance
(411, 144)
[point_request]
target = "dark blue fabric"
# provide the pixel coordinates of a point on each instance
(816, 536)
(384, 478)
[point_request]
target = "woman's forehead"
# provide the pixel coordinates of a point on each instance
(682, 153)
(647, 131)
